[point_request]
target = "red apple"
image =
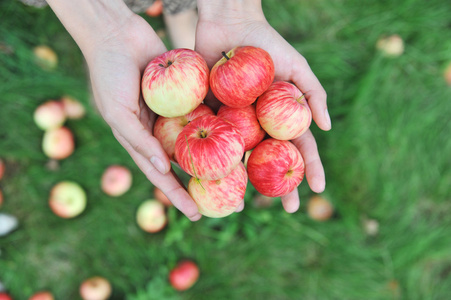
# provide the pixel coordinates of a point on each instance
(42, 296)
(221, 197)
(209, 148)
(283, 111)
(184, 275)
(175, 83)
(49, 115)
(155, 9)
(160, 196)
(151, 216)
(73, 108)
(5, 296)
(245, 118)
(116, 180)
(242, 75)
(319, 208)
(2, 168)
(95, 288)
(67, 199)
(275, 168)
(166, 130)
(45, 57)
(58, 143)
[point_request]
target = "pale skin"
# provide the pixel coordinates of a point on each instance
(118, 44)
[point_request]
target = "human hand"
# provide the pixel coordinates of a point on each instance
(224, 25)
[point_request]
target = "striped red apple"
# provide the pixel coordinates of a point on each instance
(175, 83)
(184, 275)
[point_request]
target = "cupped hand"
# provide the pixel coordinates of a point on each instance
(226, 29)
(116, 65)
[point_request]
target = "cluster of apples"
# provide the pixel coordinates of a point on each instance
(210, 147)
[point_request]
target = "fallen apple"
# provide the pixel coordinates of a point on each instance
(42, 296)
(95, 288)
(116, 180)
(49, 115)
(160, 196)
(219, 198)
(73, 108)
(5, 296)
(45, 57)
(151, 216)
(241, 75)
(155, 9)
(67, 199)
(175, 83)
(184, 275)
(319, 208)
(275, 167)
(58, 143)
(209, 148)
(392, 45)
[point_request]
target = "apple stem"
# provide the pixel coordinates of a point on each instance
(300, 98)
(225, 55)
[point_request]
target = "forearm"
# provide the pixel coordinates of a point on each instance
(90, 22)
(229, 9)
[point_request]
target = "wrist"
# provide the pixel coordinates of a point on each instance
(234, 10)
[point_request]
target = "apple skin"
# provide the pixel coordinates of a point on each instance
(42, 296)
(239, 80)
(283, 111)
(5, 296)
(275, 168)
(245, 118)
(116, 180)
(95, 288)
(219, 198)
(160, 196)
(215, 148)
(151, 216)
(49, 115)
(175, 83)
(184, 275)
(319, 208)
(166, 130)
(67, 199)
(58, 143)
(73, 108)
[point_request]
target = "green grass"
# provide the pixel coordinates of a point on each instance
(386, 158)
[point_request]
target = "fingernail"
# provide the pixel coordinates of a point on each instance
(326, 114)
(196, 217)
(158, 164)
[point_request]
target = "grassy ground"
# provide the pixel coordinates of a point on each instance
(387, 158)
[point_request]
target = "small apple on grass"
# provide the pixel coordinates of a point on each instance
(95, 288)
(151, 216)
(184, 275)
(275, 167)
(44, 295)
(391, 46)
(155, 9)
(67, 199)
(175, 83)
(209, 148)
(319, 208)
(5, 296)
(45, 57)
(58, 143)
(166, 130)
(73, 108)
(245, 118)
(219, 198)
(116, 180)
(283, 111)
(49, 115)
(241, 75)
(160, 196)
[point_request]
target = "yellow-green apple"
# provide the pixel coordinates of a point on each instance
(5, 296)
(219, 198)
(160, 196)
(2, 168)
(166, 130)
(392, 45)
(58, 143)
(283, 111)
(116, 180)
(42, 296)
(95, 288)
(175, 83)
(151, 216)
(275, 167)
(45, 57)
(67, 199)
(49, 115)
(319, 208)
(184, 275)
(209, 148)
(241, 75)
(245, 118)
(73, 108)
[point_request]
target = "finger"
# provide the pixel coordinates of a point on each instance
(290, 201)
(314, 92)
(240, 207)
(313, 167)
(140, 139)
(168, 183)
